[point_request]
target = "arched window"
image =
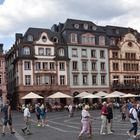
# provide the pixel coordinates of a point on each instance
(55, 39)
(26, 51)
(101, 40)
(30, 38)
(88, 39)
(61, 52)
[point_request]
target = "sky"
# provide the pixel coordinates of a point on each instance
(16, 16)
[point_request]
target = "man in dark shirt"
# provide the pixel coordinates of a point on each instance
(7, 117)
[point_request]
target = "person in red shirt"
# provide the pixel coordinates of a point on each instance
(104, 114)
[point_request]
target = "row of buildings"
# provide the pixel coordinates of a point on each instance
(72, 57)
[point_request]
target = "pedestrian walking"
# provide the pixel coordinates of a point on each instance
(104, 114)
(133, 120)
(38, 112)
(27, 120)
(124, 111)
(71, 110)
(86, 124)
(109, 118)
(7, 117)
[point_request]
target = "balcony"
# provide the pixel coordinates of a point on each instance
(127, 86)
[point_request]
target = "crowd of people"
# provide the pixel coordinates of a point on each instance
(129, 110)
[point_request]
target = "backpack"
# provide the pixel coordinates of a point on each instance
(138, 113)
(130, 115)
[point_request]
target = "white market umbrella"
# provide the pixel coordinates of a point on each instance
(91, 96)
(101, 94)
(129, 95)
(118, 93)
(32, 95)
(82, 94)
(111, 96)
(59, 95)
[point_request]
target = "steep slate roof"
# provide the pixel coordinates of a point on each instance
(36, 32)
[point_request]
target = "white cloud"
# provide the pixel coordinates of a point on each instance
(18, 15)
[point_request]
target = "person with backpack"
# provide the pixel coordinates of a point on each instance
(133, 120)
(7, 117)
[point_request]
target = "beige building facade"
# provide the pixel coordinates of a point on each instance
(3, 81)
(125, 64)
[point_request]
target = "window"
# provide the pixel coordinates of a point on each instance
(48, 51)
(93, 66)
(112, 42)
(93, 53)
(101, 40)
(27, 65)
(102, 65)
(76, 26)
(52, 79)
(75, 79)
(74, 65)
(130, 66)
(84, 66)
(47, 79)
(130, 55)
(102, 54)
(74, 52)
(26, 51)
(115, 79)
(85, 26)
(0, 79)
(94, 79)
(103, 79)
(62, 66)
(45, 65)
(27, 79)
(38, 80)
(44, 38)
(61, 52)
(29, 38)
(38, 65)
(52, 66)
(55, 39)
(41, 51)
(114, 54)
(84, 53)
(88, 39)
(62, 79)
(85, 80)
(73, 38)
(115, 66)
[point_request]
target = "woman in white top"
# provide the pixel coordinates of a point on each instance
(85, 122)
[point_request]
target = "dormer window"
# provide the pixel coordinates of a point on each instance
(94, 28)
(55, 39)
(30, 38)
(26, 51)
(101, 40)
(61, 52)
(76, 26)
(88, 39)
(112, 41)
(85, 26)
(73, 38)
(44, 38)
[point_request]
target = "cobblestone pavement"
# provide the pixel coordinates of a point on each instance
(63, 128)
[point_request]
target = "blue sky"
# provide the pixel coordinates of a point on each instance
(1, 1)
(16, 16)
